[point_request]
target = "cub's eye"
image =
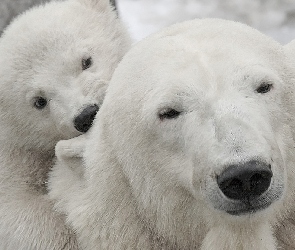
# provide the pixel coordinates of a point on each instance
(264, 88)
(86, 63)
(40, 102)
(168, 113)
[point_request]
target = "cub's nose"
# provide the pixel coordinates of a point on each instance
(245, 181)
(84, 120)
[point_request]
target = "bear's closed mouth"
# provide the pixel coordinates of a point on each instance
(250, 207)
(247, 211)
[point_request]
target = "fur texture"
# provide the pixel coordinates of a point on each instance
(64, 52)
(10, 9)
(285, 230)
(182, 106)
(290, 48)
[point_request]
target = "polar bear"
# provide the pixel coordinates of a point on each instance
(191, 149)
(56, 61)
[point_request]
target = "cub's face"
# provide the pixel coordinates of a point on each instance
(55, 69)
(201, 125)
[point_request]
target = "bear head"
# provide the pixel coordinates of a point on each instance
(56, 60)
(201, 126)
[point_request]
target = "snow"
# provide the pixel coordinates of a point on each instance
(272, 17)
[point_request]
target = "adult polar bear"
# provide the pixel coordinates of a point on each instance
(191, 149)
(55, 63)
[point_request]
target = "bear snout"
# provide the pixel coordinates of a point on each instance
(245, 188)
(245, 181)
(84, 120)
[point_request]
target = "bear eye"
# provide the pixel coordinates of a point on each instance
(86, 63)
(264, 88)
(40, 102)
(168, 113)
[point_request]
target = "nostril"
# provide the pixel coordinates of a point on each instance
(84, 120)
(260, 182)
(255, 180)
(246, 180)
(92, 116)
(231, 188)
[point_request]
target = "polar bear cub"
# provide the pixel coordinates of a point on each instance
(191, 149)
(56, 61)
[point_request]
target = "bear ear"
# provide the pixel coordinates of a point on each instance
(99, 5)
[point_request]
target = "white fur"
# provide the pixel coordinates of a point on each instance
(41, 55)
(148, 183)
(290, 50)
(291, 47)
(286, 228)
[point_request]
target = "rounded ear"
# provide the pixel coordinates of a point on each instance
(99, 5)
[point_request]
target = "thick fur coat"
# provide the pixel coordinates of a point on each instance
(290, 48)
(183, 107)
(10, 9)
(56, 61)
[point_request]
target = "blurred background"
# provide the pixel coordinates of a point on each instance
(143, 17)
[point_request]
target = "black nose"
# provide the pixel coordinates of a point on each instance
(84, 120)
(245, 181)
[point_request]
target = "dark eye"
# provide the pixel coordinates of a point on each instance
(40, 102)
(264, 88)
(86, 63)
(168, 113)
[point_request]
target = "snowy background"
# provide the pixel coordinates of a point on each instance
(273, 17)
